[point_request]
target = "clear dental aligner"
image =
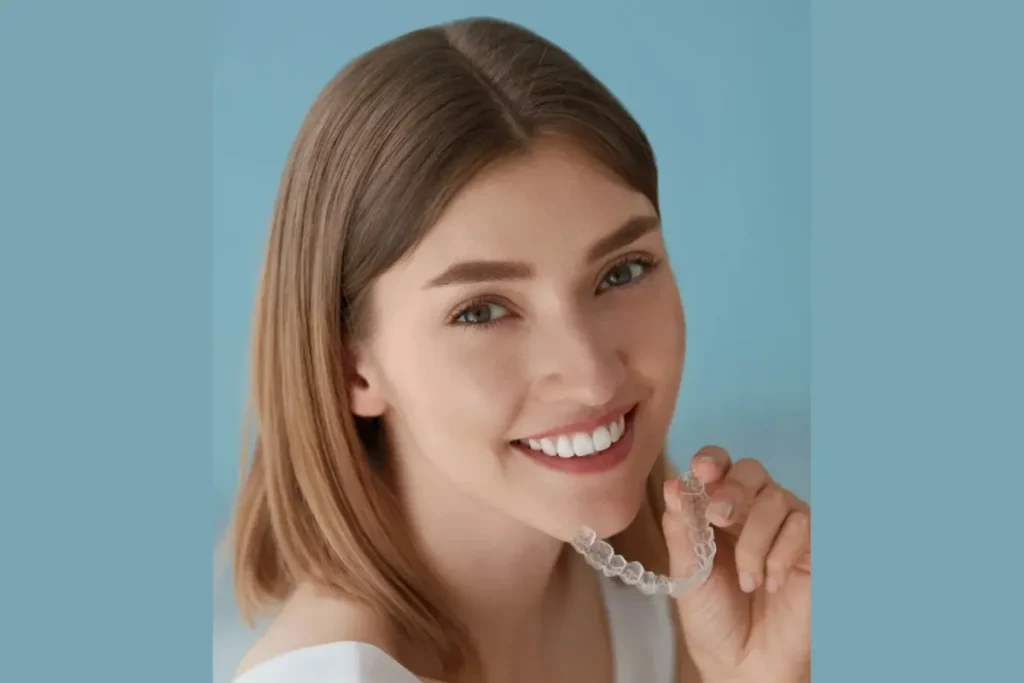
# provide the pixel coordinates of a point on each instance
(693, 503)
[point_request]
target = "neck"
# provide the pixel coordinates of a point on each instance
(505, 580)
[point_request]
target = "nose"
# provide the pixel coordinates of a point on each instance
(579, 364)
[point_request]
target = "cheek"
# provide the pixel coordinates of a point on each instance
(656, 344)
(455, 395)
(656, 329)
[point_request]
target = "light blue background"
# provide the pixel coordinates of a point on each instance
(105, 328)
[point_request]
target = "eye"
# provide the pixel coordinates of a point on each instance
(481, 313)
(624, 273)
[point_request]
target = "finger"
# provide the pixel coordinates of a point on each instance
(765, 519)
(731, 499)
(713, 612)
(791, 550)
(710, 464)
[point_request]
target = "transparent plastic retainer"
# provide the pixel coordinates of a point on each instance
(693, 503)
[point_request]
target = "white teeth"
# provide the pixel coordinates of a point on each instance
(580, 444)
(616, 429)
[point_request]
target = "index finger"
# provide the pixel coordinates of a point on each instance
(710, 464)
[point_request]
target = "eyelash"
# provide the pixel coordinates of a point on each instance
(477, 303)
(649, 263)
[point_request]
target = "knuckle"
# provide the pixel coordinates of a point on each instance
(752, 470)
(776, 496)
(734, 490)
(775, 564)
(800, 521)
(749, 463)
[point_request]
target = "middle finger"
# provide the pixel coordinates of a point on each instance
(730, 499)
(767, 515)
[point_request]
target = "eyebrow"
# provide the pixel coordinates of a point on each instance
(629, 232)
(470, 272)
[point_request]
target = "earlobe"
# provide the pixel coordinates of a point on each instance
(364, 390)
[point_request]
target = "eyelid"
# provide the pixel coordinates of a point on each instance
(482, 300)
(649, 261)
(631, 257)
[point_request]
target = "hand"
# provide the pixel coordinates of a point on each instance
(750, 622)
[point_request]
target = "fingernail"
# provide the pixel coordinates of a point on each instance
(771, 585)
(747, 582)
(721, 509)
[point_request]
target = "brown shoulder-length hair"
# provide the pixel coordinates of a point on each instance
(384, 148)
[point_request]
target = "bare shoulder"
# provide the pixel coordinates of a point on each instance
(310, 618)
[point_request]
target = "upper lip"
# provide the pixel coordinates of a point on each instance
(586, 426)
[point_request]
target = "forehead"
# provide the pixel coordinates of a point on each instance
(552, 202)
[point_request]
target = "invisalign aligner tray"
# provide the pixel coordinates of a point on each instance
(693, 501)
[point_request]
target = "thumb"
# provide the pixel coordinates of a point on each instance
(713, 611)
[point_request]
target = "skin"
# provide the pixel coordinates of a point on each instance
(460, 369)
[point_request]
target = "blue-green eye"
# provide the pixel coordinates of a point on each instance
(624, 273)
(481, 314)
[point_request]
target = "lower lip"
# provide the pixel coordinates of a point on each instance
(587, 464)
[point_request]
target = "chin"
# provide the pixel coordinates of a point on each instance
(607, 517)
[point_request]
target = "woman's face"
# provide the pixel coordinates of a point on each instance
(529, 351)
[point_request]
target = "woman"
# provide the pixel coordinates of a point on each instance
(467, 346)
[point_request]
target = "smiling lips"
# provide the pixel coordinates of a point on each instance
(584, 448)
(580, 443)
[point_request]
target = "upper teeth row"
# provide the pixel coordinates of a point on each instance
(581, 443)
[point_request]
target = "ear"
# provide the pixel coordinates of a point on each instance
(363, 380)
